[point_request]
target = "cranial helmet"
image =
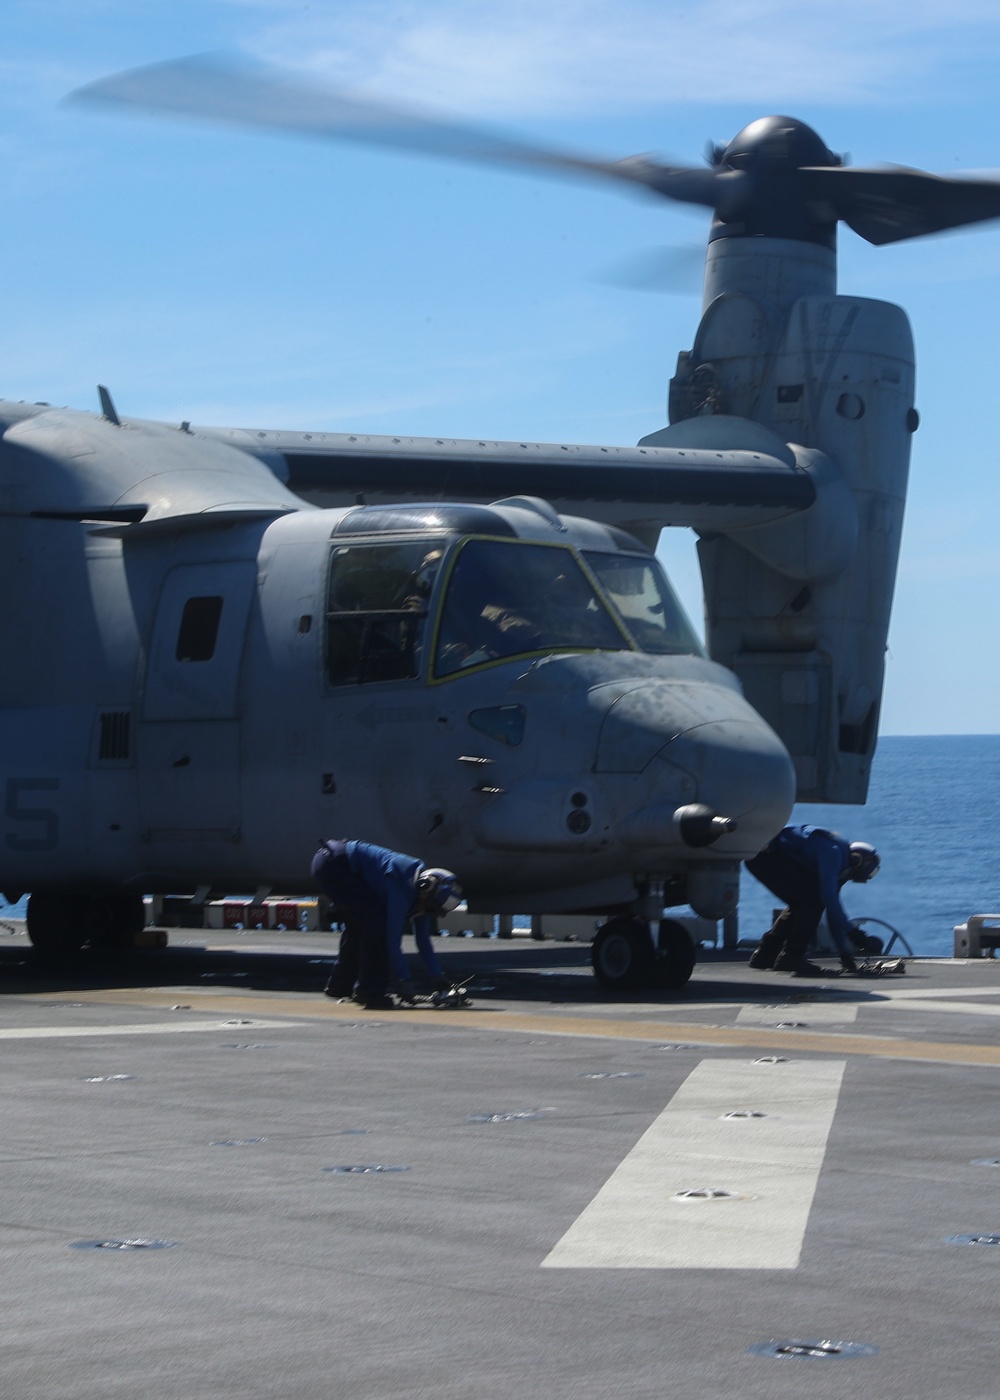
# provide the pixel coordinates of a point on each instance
(865, 862)
(439, 890)
(423, 579)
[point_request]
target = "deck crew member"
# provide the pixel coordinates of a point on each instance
(374, 892)
(806, 866)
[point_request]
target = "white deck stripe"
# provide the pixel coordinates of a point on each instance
(634, 1222)
(813, 1013)
(927, 1007)
(894, 989)
(160, 1028)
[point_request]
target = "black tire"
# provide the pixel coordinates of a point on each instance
(61, 922)
(622, 955)
(675, 962)
(57, 923)
(113, 920)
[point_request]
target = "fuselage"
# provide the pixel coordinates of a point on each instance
(510, 693)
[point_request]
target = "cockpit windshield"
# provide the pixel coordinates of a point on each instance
(506, 599)
(639, 590)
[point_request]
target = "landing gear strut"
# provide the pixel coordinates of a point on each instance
(60, 922)
(624, 959)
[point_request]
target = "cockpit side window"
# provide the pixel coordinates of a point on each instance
(378, 599)
(507, 599)
(199, 629)
(640, 591)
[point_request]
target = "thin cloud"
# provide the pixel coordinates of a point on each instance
(515, 56)
(28, 85)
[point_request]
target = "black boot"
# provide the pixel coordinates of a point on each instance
(800, 966)
(766, 952)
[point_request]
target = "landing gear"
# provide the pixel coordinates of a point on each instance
(624, 960)
(60, 922)
(622, 955)
(55, 926)
(675, 962)
(114, 920)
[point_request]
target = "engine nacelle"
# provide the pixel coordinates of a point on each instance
(835, 374)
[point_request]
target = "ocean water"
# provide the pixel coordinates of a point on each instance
(933, 811)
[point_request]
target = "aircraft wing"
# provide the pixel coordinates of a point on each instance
(712, 474)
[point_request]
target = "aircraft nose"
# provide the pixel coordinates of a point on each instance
(656, 712)
(742, 770)
(704, 743)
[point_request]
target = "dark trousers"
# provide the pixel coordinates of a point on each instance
(796, 887)
(363, 959)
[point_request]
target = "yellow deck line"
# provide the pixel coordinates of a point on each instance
(496, 1018)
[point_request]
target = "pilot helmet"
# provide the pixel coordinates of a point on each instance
(423, 578)
(439, 890)
(865, 862)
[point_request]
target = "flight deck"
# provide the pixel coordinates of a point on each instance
(219, 1183)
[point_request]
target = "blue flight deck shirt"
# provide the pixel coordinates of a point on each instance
(392, 876)
(828, 855)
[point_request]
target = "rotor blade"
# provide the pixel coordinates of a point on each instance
(887, 206)
(222, 90)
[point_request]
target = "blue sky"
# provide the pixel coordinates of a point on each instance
(233, 277)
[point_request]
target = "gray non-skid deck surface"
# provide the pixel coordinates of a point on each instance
(290, 1281)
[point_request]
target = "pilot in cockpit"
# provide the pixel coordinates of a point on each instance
(418, 590)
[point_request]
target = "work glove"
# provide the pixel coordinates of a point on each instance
(865, 943)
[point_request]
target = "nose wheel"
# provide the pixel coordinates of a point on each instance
(624, 959)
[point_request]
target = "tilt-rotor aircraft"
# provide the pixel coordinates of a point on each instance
(232, 641)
